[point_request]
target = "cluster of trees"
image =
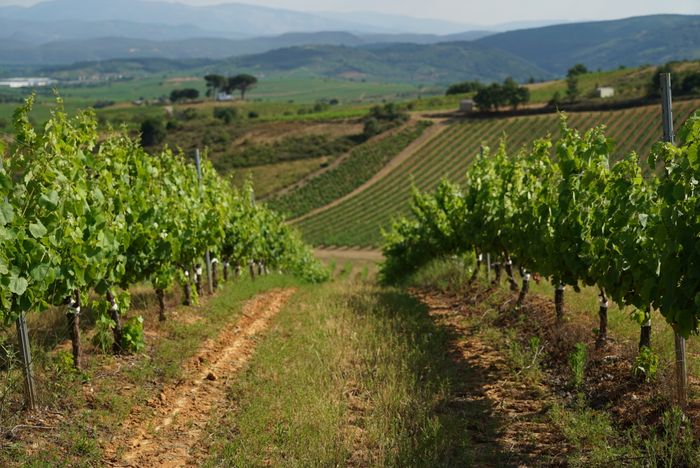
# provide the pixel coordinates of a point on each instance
(84, 212)
(187, 94)
(495, 95)
(575, 218)
(688, 82)
(219, 83)
(382, 118)
(464, 87)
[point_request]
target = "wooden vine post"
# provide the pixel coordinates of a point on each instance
(198, 163)
(30, 398)
(681, 366)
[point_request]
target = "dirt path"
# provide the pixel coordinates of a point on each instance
(522, 431)
(349, 254)
(439, 126)
(174, 435)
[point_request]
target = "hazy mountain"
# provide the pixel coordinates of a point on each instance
(423, 38)
(432, 63)
(226, 18)
(604, 44)
(37, 32)
(397, 24)
(17, 52)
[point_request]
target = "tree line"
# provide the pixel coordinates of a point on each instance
(494, 96)
(219, 83)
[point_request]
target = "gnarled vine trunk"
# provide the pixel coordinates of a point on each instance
(160, 294)
(73, 316)
(198, 279)
(645, 331)
(497, 269)
(477, 268)
(603, 316)
(116, 318)
(187, 290)
(509, 271)
(251, 266)
(559, 302)
(226, 265)
(238, 271)
(524, 290)
(215, 274)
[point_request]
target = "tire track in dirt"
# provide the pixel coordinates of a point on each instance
(174, 435)
(525, 435)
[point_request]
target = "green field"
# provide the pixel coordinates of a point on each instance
(357, 221)
(271, 97)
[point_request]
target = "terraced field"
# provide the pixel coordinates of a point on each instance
(357, 221)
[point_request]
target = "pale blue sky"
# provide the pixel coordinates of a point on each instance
(480, 12)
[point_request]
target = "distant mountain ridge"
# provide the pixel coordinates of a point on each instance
(354, 45)
(227, 19)
(604, 44)
(14, 51)
(444, 62)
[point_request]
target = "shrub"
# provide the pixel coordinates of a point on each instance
(577, 364)
(225, 114)
(102, 339)
(133, 339)
(152, 132)
(646, 364)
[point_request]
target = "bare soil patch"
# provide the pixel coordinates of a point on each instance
(169, 429)
(525, 435)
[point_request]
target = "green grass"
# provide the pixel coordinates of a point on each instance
(275, 98)
(349, 375)
(449, 154)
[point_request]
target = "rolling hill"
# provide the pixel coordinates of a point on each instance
(351, 223)
(430, 63)
(604, 44)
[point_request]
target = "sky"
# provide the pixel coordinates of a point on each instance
(476, 12)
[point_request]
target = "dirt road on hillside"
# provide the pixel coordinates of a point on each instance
(349, 254)
(440, 125)
(173, 434)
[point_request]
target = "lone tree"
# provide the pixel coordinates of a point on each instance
(515, 94)
(215, 83)
(578, 69)
(242, 83)
(572, 91)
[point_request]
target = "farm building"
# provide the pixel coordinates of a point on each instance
(605, 92)
(466, 105)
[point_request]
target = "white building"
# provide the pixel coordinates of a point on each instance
(224, 97)
(605, 92)
(466, 105)
(35, 82)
